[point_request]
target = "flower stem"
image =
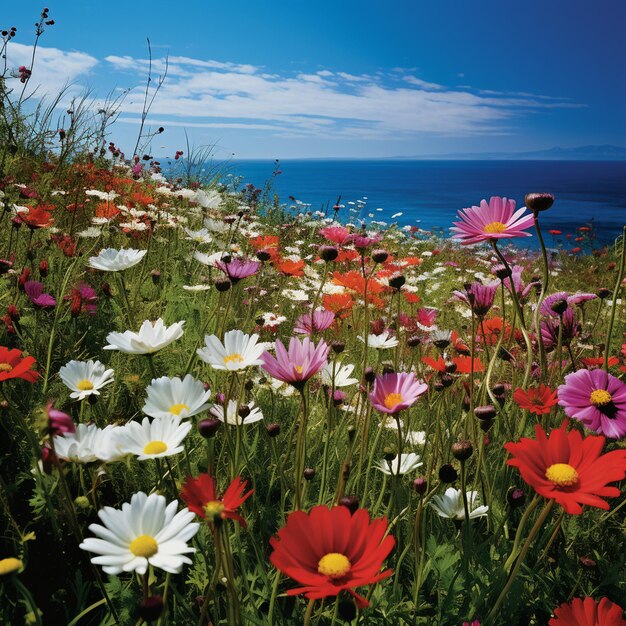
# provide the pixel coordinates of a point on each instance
(616, 290)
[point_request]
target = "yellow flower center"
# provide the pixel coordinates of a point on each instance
(334, 565)
(5, 367)
(213, 509)
(392, 400)
(155, 447)
(84, 385)
(600, 397)
(495, 227)
(233, 358)
(562, 475)
(144, 545)
(9, 565)
(177, 409)
(298, 368)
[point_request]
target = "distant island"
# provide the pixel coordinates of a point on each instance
(606, 152)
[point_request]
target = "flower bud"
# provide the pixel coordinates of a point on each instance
(346, 610)
(263, 255)
(539, 201)
(155, 275)
(462, 450)
(379, 256)
(44, 267)
(560, 306)
(328, 253)
(338, 347)
(223, 284)
(309, 473)
(243, 411)
(603, 293)
(350, 502)
(396, 281)
(516, 497)
(273, 430)
(420, 486)
(369, 375)
(413, 342)
(151, 608)
(487, 412)
(82, 502)
(447, 474)
(208, 427)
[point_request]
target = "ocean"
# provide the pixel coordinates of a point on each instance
(428, 193)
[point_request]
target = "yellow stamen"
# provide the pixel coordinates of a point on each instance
(495, 227)
(392, 400)
(155, 447)
(5, 367)
(213, 509)
(144, 545)
(298, 368)
(177, 409)
(334, 565)
(562, 475)
(233, 358)
(600, 397)
(84, 385)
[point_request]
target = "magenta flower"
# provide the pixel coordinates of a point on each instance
(361, 241)
(320, 320)
(488, 222)
(296, 365)
(34, 290)
(238, 268)
(479, 297)
(393, 393)
(597, 399)
(521, 288)
(59, 422)
(336, 234)
(550, 329)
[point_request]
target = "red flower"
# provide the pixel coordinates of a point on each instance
(38, 217)
(537, 400)
(290, 268)
(567, 468)
(330, 550)
(13, 365)
(593, 361)
(588, 612)
(201, 498)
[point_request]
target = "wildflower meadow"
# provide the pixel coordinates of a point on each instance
(217, 409)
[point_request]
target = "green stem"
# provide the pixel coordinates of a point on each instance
(616, 290)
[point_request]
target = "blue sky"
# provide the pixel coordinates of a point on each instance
(286, 79)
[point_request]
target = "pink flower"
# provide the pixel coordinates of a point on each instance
(337, 234)
(322, 320)
(59, 422)
(496, 220)
(238, 268)
(296, 365)
(34, 290)
(393, 393)
(479, 297)
(597, 399)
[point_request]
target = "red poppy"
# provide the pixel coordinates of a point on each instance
(13, 365)
(554, 231)
(463, 364)
(411, 298)
(201, 497)
(490, 330)
(107, 210)
(593, 361)
(339, 303)
(290, 268)
(567, 468)
(265, 242)
(38, 217)
(584, 229)
(458, 345)
(537, 400)
(330, 550)
(588, 612)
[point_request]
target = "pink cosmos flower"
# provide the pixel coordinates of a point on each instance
(597, 399)
(487, 222)
(321, 320)
(479, 297)
(34, 290)
(393, 393)
(550, 329)
(238, 268)
(296, 365)
(59, 422)
(337, 234)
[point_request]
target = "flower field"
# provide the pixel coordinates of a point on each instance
(217, 409)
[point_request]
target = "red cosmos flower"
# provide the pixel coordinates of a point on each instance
(537, 400)
(330, 550)
(13, 365)
(593, 361)
(554, 231)
(290, 268)
(490, 330)
(339, 303)
(200, 496)
(463, 364)
(588, 612)
(567, 468)
(38, 217)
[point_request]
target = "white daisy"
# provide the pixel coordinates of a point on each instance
(89, 443)
(198, 236)
(173, 396)
(112, 260)
(400, 464)
(450, 505)
(85, 378)
(152, 336)
(146, 531)
(236, 353)
(163, 436)
(341, 375)
(232, 414)
(380, 342)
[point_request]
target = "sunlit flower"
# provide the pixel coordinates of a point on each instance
(85, 378)
(163, 436)
(339, 374)
(330, 550)
(567, 468)
(314, 322)
(238, 268)
(234, 413)
(537, 400)
(597, 399)
(173, 396)
(382, 341)
(14, 365)
(238, 351)
(401, 464)
(152, 336)
(146, 531)
(489, 222)
(200, 495)
(112, 260)
(450, 505)
(393, 393)
(89, 443)
(297, 364)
